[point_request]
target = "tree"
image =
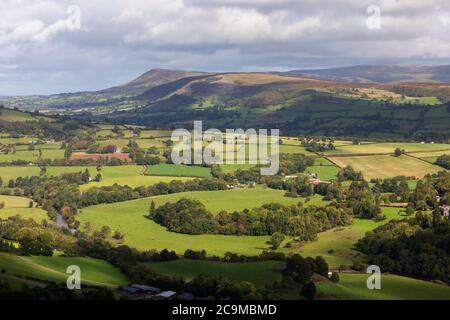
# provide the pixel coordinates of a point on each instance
(68, 151)
(322, 266)
(334, 277)
(85, 177)
(398, 152)
(309, 290)
(152, 208)
(276, 239)
(118, 235)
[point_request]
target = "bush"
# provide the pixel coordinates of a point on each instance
(309, 291)
(334, 277)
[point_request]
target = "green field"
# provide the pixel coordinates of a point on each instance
(231, 168)
(142, 143)
(342, 240)
(32, 156)
(8, 173)
(124, 175)
(19, 206)
(179, 171)
(142, 233)
(130, 175)
(93, 271)
(386, 166)
(393, 287)
(324, 172)
(259, 273)
(14, 115)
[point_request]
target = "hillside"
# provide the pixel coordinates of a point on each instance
(295, 104)
(151, 79)
(380, 73)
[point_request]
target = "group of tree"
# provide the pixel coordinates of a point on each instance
(417, 246)
(191, 217)
(318, 145)
(117, 193)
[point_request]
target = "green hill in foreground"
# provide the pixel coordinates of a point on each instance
(94, 272)
(393, 287)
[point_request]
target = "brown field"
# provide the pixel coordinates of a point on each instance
(386, 166)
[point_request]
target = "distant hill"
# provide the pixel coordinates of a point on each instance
(151, 79)
(380, 73)
(372, 102)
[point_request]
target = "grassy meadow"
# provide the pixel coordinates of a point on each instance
(94, 272)
(353, 287)
(179, 171)
(142, 233)
(20, 206)
(336, 245)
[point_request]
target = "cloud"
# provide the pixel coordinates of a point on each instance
(118, 40)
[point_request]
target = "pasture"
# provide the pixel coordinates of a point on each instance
(20, 206)
(259, 273)
(142, 233)
(131, 175)
(336, 245)
(386, 166)
(324, 172)
(94, 272)
(353, 286)
(142, 143)
(176, 170)
(32, 155)
(11, 115)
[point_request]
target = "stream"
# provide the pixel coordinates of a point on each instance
(60, 221)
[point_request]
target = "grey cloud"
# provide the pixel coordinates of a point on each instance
(121, 39)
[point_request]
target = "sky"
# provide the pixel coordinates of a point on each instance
(54, 46)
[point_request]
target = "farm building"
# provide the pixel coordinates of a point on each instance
(146, 289)
(166, 295)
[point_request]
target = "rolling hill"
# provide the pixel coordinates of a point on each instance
(151, 79)
(379, 105)
(380, 73)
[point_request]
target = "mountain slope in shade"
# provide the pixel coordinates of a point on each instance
(380, 73)
(152, 79)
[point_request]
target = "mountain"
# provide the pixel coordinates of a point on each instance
(380, 73)
(372, 102)
(294, 104)
(151, 79)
